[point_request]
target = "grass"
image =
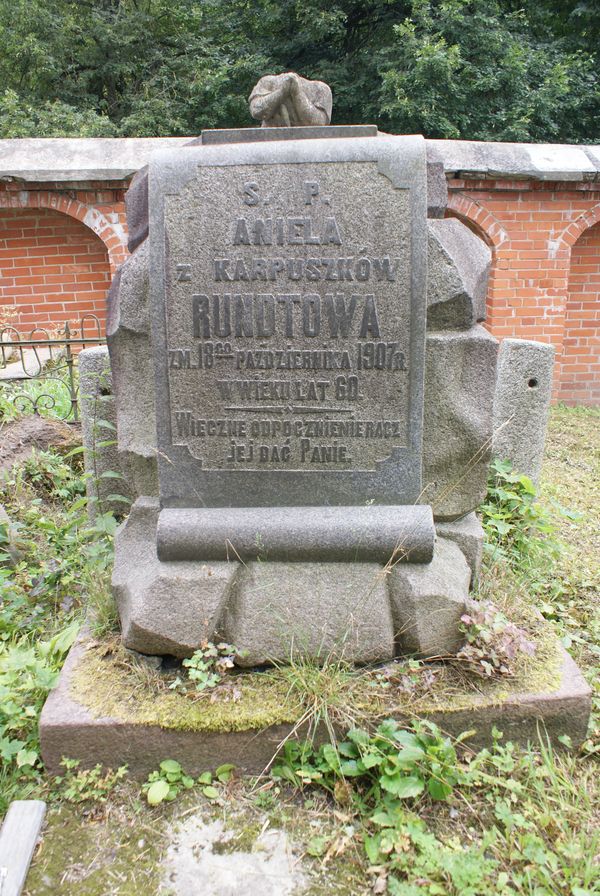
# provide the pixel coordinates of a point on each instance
(521, 821)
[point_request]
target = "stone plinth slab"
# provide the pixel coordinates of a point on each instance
(522, 404)
(310, 534)
(268, 609)
(70, 728)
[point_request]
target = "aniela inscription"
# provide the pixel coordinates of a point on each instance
(289, 376)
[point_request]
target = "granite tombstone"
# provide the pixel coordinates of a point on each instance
(282, 302)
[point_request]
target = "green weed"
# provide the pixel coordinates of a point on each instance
(165, 784)
(207, 665)
(515, 524)
(86, 785)
(45, 592)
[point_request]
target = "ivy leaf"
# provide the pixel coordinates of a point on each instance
(26, 757)
(211, 793)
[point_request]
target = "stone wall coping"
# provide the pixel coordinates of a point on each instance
(74, 159)
(529, 161)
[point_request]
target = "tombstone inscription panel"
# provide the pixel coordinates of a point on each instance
(289, 293)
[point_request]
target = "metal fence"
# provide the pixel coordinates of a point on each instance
(50, 358)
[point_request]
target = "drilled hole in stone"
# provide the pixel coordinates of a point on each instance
(532, 383)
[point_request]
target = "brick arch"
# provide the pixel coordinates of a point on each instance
(479, 219)
(576, 228)
(111, 234)
(579, 357)
(53, 268)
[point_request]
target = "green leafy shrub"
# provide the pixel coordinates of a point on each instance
(52, 477)
(62, 562)
(27, 673)
(515, 525)
(393, 762)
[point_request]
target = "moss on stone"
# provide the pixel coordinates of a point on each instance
(108, 687)
(252, 701)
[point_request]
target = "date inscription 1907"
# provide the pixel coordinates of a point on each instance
(288, 318)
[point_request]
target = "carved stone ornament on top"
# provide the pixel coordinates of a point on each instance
(283, 101)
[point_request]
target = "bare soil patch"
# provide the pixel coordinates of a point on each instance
(19, 437)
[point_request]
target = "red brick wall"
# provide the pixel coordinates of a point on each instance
(58, 250)
(532, 227)
(52, 268)
(580, 360)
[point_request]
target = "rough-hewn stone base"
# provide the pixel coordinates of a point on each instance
(271, 608)
(67, 728)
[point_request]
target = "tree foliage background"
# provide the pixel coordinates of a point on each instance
(470, 69)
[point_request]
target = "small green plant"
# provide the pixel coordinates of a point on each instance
(61, 559)
(492, 642)
(103, 435)
(325, 691)
(86, 785)
(207, 666)
(411, 677)
(165, 784)
(515, 525)
(52, 476)
(222, 775)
